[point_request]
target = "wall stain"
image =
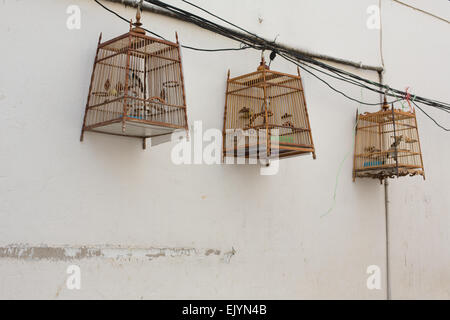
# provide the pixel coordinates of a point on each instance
(212, 251)
(71, 253)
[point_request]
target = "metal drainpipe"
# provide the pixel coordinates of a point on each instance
(386, 217)
(386, 206)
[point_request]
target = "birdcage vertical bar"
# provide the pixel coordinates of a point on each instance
(266, 120)
(355, 146)
(380, 140)
(420, 148)
(395, 139)
(225, 118)
(306, 113)
(90, 88)
(182, 86)
(127, 75)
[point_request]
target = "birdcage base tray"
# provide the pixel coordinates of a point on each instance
(260, 152)
(390, 172)
(134, 129)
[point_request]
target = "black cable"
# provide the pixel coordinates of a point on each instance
(216, 50)
(251, 40)
(211, 26)
(215, 16)
(441, 108)
(345, 79)
(111, 11)
(257, 42)
(124, 19)
(440, 126)
(342, 78)
(395, 92)
(333, 88)
(161, 37)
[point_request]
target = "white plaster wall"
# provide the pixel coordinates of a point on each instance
(57, 191)
(416, 55)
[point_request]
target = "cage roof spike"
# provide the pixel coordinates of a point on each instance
(385, 106)
(137, 25)
(263, 64)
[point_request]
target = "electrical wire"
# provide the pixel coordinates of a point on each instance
(216, 50)
(259, 43)
(389, 91)
(215, 16)
(208, 25)
(228, 49)
(124, 19)
(439, 125)
(251, 40)
(361, 102)
(161, 37)
(330, 86)
(423, 11)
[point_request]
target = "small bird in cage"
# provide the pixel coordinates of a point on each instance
(409, 140)
(163, 94)
(398, 140)
(392, 152)
(111, 91)
(371, 149)
(136, 83)
(246, 113)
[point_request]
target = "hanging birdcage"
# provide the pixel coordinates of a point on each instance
(137, 87)
(266, 116)
(387, 145)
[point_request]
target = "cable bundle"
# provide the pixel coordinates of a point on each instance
(306, 63)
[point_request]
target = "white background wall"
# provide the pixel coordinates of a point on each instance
(56, 191)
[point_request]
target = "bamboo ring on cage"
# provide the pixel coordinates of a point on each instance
(100, 94)
(171, 84)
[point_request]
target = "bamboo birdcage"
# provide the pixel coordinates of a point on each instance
(137, 87)
(267, 110)
(387, 145)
